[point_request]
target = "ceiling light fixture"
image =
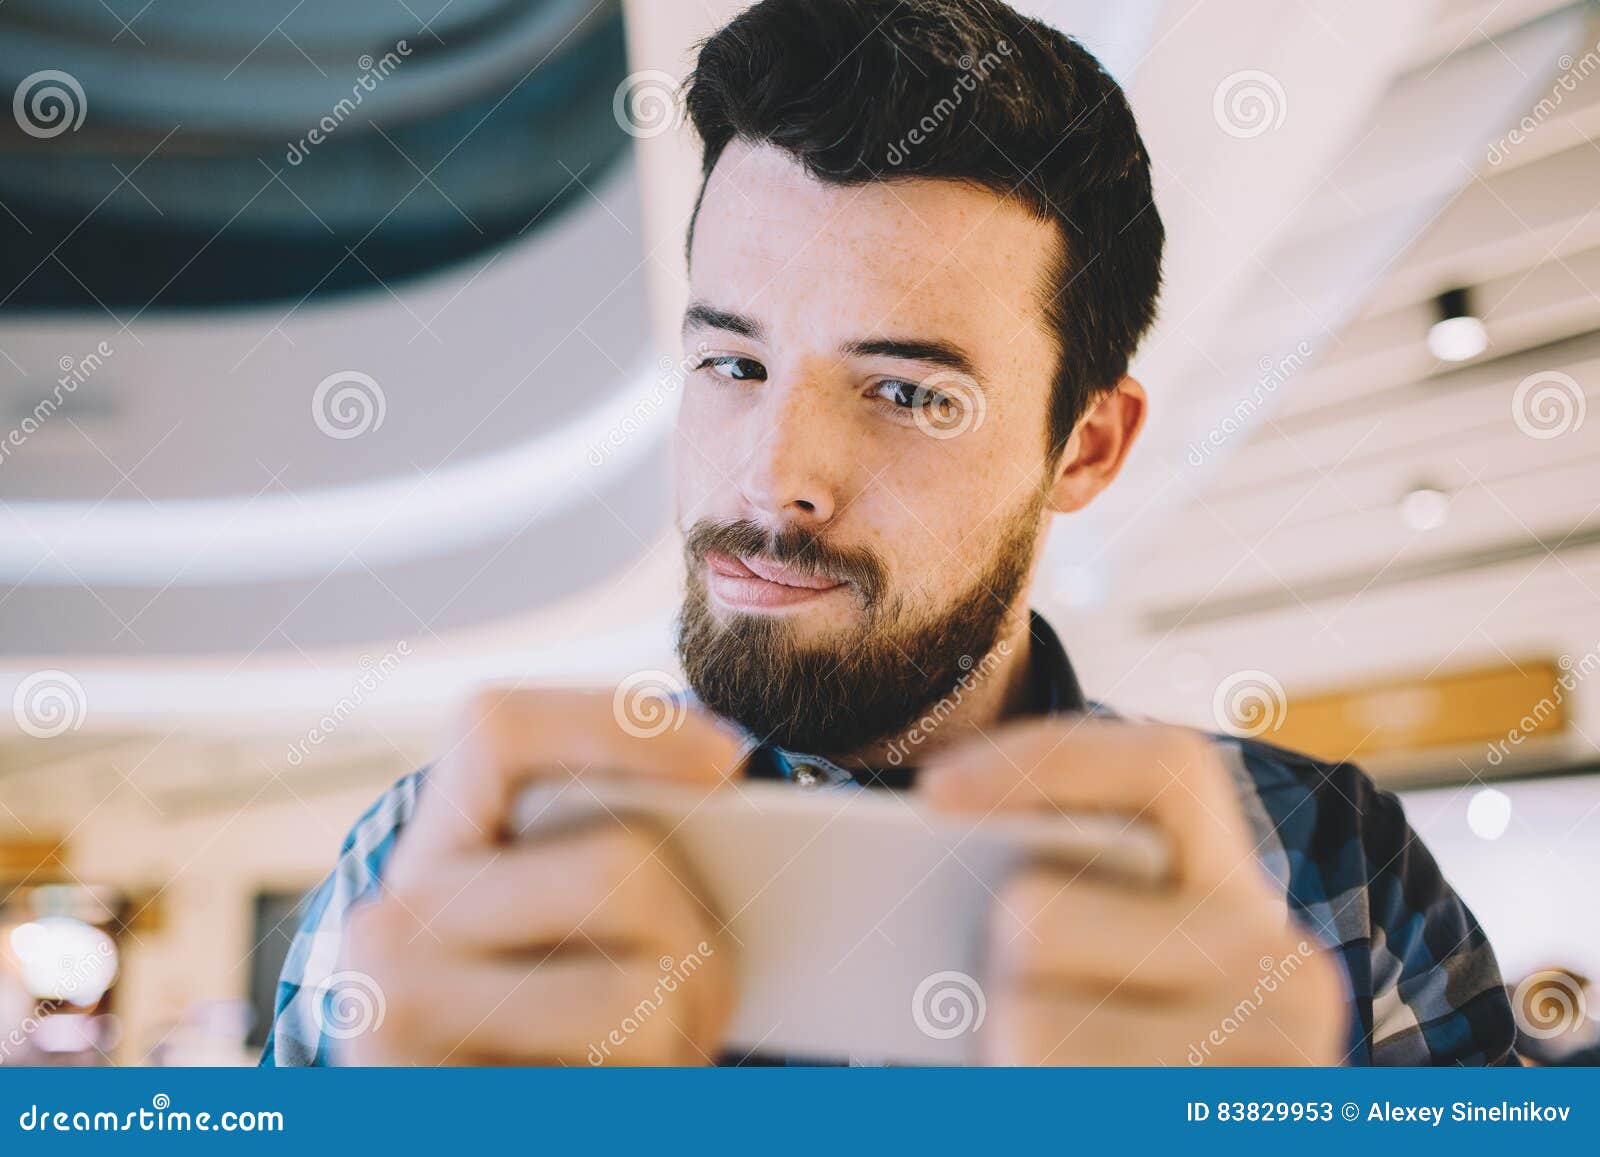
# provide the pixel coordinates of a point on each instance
(1424, 507)
(1459, 335)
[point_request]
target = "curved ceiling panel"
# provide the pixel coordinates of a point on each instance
(261, 150)
(453, 453)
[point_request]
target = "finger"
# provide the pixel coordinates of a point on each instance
(1040, 1026)
(1170, 776)
(1045, 1027)
(509, 738)
(1053, 928)
(616, 883)
(557, 1010)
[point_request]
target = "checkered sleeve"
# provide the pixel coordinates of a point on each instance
(1424, 985)
(1437, 994)
(311, 971)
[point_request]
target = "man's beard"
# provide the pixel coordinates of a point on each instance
(857, 687)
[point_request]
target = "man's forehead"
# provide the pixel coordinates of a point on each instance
(765, 218)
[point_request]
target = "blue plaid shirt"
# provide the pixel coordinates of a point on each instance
(1423, 982)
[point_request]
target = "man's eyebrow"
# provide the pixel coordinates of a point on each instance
(930, 350)
(699, 315)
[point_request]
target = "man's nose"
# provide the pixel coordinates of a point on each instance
(791, 475)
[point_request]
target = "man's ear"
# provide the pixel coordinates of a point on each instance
(1098, 446)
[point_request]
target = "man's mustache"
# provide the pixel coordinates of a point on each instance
(795, 547)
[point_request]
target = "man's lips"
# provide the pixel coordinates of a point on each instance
(748, 581)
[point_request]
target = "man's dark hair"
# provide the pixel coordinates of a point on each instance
(968, 90)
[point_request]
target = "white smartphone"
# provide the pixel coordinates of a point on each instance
(857, 918)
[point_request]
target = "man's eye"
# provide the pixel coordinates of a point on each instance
(736, 369)
(908, 395)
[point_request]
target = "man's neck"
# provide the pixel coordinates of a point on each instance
(997, 686)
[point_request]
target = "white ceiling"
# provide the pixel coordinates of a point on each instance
(1294, 556)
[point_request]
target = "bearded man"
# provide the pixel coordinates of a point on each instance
(914, 293)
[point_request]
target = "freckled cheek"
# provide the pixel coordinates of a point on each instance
(923, 515)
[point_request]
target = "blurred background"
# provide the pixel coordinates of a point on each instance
(338, 350)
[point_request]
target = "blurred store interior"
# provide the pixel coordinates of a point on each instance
(361, 417)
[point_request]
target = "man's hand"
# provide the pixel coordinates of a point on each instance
(1083, 971)
(585, 947)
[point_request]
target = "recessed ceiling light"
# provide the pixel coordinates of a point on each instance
(1425, 508)
(1458, 335)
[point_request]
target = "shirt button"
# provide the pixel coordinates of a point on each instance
(805, 775)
